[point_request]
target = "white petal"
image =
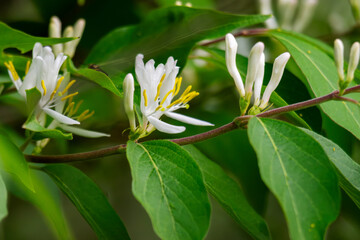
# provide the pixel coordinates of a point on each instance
(353, 61)
(165, 127)
(339, 57)
(186, 119)
(60, 117)
(253, 65)
(37, 50)
(83, 132)
(259, 80)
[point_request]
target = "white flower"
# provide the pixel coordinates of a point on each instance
(339, 60)
(43, 73)
(158, 88)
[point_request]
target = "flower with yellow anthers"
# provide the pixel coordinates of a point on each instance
(159, 86)
(43, 73)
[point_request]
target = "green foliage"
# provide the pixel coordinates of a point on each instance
(3, 200)
(228, 193)
(320, 72)
(32, 98)
(169, 185)
(12, 161)
(89, 200)
(296, 169)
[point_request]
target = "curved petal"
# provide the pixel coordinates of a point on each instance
(165, 127)
(83, 132)
(186, 119)
(60, 117)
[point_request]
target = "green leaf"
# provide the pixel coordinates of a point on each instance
(98, 77)
(13, 161)
(169, 185)
(89, 200)
(32, 98)
(165, 32)
(47, 199)
(296, 169)
(3, 200)
(41, 132)
(320, 72)
(228, 193)
(348, 170)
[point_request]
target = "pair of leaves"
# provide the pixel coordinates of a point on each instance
(171, 185)
(296, 165)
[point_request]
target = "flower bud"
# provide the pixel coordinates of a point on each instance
(286, 10)
(55, 32)
(266, 9)
(278, 70)
(128, 86)
(259, 80)
(230, 56)
(305, 14)
(339, 58)
(353, 62)
(253, 66)
(68, 33)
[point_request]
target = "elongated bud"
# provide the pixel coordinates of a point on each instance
(339, 58)
(278, 70)
(230, 56)
(353, 62)
(259, 80)
(253, 66)
(128, 86)
(355, 7)
(55, 32)
(286, 10)
(79, 27)
(305, 14)
(68, 33)
(266, 9)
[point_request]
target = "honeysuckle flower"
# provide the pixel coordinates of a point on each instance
(75, 31)
(339, 62)
(158, 88)
(43, 73)
(292, 14)
(128, 86)
(255, 75)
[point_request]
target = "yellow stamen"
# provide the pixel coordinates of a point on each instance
(69, 96)
(27, 67)
(165, 97)
(67, 87)
(159, 86)
(82, 115)
(160, 106)
(187, 90)
(187, 106)
(145, 98)
(57, 87)
(9, 65)
(69, 107)
(88, 116)
(178, 85)
(74, 111)
(190, 96)
(43, 86)
(175, 102)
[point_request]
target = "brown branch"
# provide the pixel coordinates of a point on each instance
(237, 123)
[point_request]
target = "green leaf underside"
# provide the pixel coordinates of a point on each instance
(40, 132)
(165, 32)
(12, 161)
(89, 200)
(320, 72)
(169, 185)
(242, 63)
(348, 170)
(228, 193)
(3, 200)
(296, 169)
(47, 199)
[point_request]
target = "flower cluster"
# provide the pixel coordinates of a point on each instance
(255, 75)
(344, 81)
(159, 86)
(292, 15)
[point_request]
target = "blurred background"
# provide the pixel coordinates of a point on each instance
(217, 104)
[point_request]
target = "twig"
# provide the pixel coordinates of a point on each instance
(239, 122)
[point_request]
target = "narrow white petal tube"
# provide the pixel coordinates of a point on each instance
(230, 56)
(253, 66)
(266, 9)
(83, 132)
(278, 70)
(353, 61)
(68, 33)
(286, 10)
(186, 119)
(165, 127)
(339, 57)
(55, 32)
(128, 86)
(60, 117)
(259, 80)
(305, 14)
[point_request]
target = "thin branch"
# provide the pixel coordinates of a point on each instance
(239, 122)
